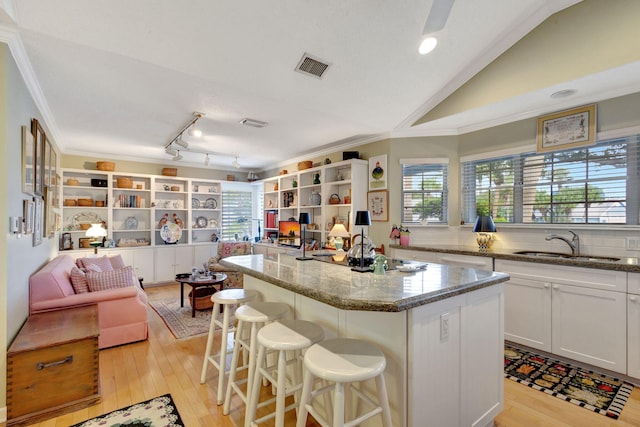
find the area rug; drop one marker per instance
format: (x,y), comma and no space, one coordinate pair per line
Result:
(591,390)
(178,319)
(157,412)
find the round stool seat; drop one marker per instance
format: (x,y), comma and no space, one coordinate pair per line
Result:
(290,335)
(345,360)
(234,296)
(256,312)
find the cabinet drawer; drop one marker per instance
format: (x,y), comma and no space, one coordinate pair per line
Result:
(415,255)
(479,262)
(47,377)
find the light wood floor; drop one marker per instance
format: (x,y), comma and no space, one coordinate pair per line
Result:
(162,364)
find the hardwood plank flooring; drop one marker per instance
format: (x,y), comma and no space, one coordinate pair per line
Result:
(136,372)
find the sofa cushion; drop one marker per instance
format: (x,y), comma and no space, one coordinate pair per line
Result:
(117,262)
(104,280)
(102,262)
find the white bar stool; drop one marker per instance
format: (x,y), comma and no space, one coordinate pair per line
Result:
(254,314)
(222,299)
(344,361)
(282,336)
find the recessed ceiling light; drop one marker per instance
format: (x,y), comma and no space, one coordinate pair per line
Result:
(427,45)
(254,123)
(563,93)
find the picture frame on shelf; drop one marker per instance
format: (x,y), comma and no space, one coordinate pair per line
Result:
(378,205)
(567,129)
(84,242)
(66,243)
(28,151)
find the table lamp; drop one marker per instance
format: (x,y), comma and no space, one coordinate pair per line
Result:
(303,220)
(484,227)
(96,231)
(362,218)
(338,232)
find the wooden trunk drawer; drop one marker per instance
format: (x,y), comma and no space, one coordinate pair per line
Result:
(53,365)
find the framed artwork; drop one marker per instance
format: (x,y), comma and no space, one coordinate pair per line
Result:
(38,157)
(27,216)
(378,205)
(38,212)
(378,172)
(567,129)
(84,242)
(66,243)
(28,151)
(49,229)
(46,163)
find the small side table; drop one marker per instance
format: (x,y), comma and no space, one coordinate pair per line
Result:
(196,283)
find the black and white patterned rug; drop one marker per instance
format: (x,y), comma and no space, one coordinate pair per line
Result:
(157,412)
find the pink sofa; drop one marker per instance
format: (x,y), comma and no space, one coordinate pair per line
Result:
(122,312)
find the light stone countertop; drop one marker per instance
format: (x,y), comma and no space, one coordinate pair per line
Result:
(629,264)
(342,288)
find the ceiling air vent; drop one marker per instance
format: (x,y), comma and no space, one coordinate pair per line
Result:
(311,66)
(253,122)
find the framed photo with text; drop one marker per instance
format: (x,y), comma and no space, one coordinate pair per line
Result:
(567,129)
(378,205)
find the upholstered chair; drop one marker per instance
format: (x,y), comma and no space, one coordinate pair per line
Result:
(226,249)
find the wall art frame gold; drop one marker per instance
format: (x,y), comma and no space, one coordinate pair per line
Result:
(567,129)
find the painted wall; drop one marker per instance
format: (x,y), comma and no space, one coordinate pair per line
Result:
(18,258)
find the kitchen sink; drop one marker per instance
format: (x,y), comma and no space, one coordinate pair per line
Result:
(543,254)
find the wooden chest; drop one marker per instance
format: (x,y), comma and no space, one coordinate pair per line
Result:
(53,365)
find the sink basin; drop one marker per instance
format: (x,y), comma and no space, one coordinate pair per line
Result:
(543,254)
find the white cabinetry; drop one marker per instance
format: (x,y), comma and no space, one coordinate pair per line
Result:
(588,311)
(469,261)
(414,255)
(328,193)
(171,260)
(633,326)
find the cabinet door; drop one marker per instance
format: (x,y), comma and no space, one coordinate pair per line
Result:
(633,336)
(165,260)
(183,260)
(482,263)
(589,325)
(143,261)
(415,255)
(528,312)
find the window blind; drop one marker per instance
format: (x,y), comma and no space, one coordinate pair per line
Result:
(236,215)
(424,191)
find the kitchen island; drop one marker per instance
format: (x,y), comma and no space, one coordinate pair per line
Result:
(440,328)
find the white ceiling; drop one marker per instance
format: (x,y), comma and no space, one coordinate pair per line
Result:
(120,78)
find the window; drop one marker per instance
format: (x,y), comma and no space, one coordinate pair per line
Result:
(424,190)
(236,215)
(590,185)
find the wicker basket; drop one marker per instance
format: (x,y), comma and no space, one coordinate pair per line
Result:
(124,182)
(85,202)
(73,182)
(308,164)
(170,171)
(70,202)
(203,298)
(106,166)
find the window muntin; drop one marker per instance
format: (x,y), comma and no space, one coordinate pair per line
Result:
(424,193)
(596,184)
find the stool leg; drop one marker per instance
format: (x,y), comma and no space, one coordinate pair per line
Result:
(223,354)
(207,353)
(252,395)
(307,384)
(383,400)
(281,388)
(338,405)
(232,369)
(252,355)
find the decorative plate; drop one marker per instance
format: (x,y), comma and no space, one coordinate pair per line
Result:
(213,223)
(85,218)
(170,232)
(131,223)
(202,222)
(195,203)
(210,203)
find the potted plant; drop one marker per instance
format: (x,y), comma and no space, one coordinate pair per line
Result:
(394,236)
(404,235)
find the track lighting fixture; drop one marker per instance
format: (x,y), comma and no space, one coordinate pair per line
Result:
(194,131)
(206,160)
(181,142)
(235,163)
(171,151)
(177,157)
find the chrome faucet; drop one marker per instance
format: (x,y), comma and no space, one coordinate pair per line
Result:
(574,243)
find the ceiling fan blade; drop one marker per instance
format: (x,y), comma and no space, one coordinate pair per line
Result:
(438,16)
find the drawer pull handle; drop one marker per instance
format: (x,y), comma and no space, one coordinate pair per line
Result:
(40,366)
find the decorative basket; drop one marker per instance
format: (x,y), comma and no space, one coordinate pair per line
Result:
(106,166)
(70,202)
(170,171)
(85,202)
(73,182)
(334,199)
(203,298)
(85,226)
(308,164)
(124,182)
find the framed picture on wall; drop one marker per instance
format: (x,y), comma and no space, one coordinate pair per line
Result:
(378,172)
(38,157)
(567,129)
(38,220)
(27,216)
(28,150)
(378,205)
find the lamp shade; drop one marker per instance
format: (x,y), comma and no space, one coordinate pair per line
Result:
(363,218)
(484,224)
(96,230)
(304,218)
(339,230)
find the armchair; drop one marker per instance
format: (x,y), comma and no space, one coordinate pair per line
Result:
(226,249)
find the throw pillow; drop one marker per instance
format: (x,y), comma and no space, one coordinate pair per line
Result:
(113,279)
(102,262)
(117,262)
(79,281)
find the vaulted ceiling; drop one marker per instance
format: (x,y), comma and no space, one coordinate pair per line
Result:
(119,79)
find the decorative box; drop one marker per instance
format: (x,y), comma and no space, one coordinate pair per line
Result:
(98,182)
